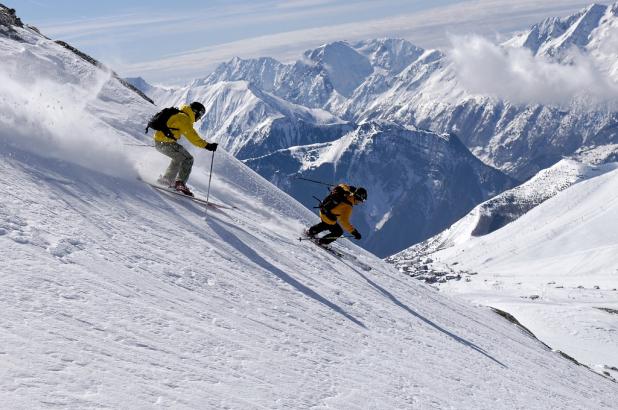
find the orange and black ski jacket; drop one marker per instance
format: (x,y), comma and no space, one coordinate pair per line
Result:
(341,211)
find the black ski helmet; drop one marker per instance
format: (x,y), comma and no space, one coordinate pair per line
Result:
(198,109)
(360,194)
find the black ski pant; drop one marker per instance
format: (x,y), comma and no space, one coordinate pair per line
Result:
(335,232)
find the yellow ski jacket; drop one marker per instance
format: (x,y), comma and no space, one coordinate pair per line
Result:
(342,211)
(182,124)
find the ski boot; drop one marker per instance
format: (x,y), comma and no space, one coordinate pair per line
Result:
(309,235)
(182,188)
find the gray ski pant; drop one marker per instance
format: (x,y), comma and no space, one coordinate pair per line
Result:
(182,161)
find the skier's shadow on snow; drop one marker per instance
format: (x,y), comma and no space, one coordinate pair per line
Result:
(424,319)
(234,241)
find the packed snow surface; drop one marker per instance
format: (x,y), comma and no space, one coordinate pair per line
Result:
(119,296)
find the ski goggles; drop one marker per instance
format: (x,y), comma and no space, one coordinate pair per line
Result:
(199,113)
(360,195)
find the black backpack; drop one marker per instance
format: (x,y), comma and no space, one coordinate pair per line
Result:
(158,121)
(336,196)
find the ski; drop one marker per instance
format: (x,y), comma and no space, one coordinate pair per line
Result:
(338,253)
(199,200)
(352,258)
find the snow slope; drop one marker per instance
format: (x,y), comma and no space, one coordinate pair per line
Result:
(121,297)
(555,269)
(118,296)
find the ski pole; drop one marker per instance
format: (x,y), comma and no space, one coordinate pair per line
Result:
(319,202)
(337,237)
(139,145)
(326,237)
(212,161)
(314,181)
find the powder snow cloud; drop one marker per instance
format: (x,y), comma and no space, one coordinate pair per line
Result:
(49,117)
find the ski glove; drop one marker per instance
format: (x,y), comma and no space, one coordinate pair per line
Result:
(356,235)
(211,147)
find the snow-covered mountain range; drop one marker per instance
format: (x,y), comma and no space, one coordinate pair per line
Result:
(393,80)
(118,296)
(517,106)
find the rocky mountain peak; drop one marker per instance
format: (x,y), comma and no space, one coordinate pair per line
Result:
(8,17)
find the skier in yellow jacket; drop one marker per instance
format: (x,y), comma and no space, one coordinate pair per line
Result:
(166,142)
(336,209)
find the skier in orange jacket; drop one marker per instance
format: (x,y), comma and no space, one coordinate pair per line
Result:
(336,209)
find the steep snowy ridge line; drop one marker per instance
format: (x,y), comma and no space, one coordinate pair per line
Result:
(97,63)
(9,22)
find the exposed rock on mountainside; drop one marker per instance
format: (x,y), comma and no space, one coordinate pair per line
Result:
(8,20)
(97,63)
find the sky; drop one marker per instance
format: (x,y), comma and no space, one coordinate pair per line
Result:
(174,42)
